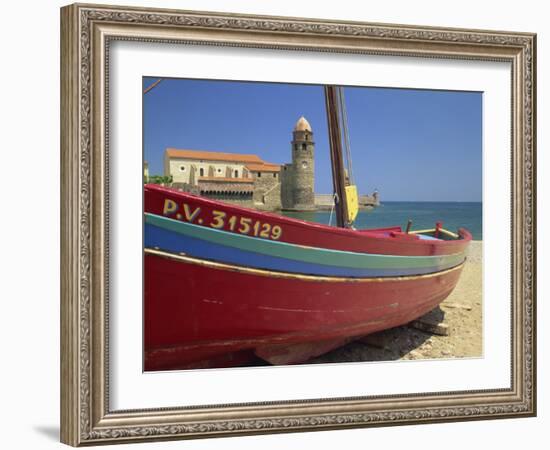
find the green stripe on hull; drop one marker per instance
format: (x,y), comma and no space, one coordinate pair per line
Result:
(301,253)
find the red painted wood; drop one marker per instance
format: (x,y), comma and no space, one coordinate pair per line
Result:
(193,312)
(199,210)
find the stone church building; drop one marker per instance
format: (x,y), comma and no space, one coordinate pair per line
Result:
(247,179)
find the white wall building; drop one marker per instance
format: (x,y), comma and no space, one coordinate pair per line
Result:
(190,166)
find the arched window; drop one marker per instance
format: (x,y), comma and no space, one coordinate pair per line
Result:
(236,174)
(201,172)
(304,146)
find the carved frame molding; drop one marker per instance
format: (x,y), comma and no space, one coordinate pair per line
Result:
(86,32)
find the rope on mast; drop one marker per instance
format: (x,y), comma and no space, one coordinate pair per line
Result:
(334,201)
(342,112)
(346,138)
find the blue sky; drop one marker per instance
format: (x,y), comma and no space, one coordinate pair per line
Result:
(411,145)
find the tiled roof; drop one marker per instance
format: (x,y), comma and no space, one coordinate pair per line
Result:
(266,167)
(213,156)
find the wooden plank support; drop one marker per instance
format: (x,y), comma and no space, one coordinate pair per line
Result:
(432,322)
(441,329)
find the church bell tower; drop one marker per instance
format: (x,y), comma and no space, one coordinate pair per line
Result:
(303,193)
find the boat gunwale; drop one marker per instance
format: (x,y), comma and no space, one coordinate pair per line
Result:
(464,234)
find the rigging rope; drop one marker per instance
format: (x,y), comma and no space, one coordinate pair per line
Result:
(334,200)
(342,112)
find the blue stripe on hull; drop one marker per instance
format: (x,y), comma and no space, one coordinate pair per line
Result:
(170,241)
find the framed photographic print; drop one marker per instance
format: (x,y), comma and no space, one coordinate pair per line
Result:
(278,224)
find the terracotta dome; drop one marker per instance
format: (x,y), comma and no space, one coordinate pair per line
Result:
(302,125)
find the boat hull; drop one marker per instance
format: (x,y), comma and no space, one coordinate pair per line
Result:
(201,313)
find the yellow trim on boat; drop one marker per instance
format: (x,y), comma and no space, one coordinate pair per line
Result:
(269,273)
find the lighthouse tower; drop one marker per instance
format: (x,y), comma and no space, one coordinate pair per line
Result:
(301,182)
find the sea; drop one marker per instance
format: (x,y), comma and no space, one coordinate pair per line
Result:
(424,215)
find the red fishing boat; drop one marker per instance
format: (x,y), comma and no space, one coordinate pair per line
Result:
(224,284)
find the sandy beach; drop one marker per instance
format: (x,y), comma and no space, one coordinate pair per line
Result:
(461,312)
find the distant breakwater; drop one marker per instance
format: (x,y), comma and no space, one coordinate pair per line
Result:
(325,202)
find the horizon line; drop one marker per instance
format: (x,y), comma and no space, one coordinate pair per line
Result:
(432,201)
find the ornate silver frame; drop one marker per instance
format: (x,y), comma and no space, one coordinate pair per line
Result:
(86,31)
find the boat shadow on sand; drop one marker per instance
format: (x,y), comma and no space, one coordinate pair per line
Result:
(388,345)
(397,343)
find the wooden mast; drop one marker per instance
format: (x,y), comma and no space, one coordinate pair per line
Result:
(335,140)
(151,86)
